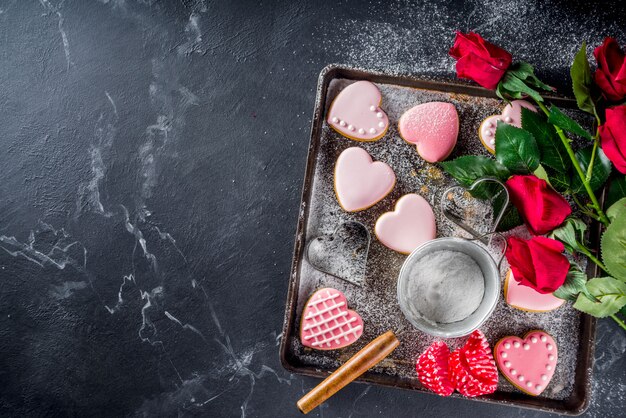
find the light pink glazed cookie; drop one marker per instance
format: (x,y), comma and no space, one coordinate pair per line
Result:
(327,323)
(356,114)
(411,224)
(528,299)
(527,363)
(432,127)
(511,114)
(359,181)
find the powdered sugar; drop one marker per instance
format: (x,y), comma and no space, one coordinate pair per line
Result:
(402,37)
(446,286)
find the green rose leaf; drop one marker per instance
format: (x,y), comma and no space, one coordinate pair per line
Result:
(574,284)
(617,210)
(566,123)
(599,174)
(525,72)
(516,149)
(571,234)
(551,149)
(617,190)
(541,173)
(561,182)
(516,88)
(610,293)
(469,168)
(582,82)
(613,246)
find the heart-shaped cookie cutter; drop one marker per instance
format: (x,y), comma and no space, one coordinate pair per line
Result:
(342,254)
(489,266)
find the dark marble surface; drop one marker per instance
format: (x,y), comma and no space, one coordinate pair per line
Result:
(151,159)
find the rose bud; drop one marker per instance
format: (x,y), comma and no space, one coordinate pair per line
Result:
(542,208)
(611,73)
(538,263)
(479,60)
(613,137)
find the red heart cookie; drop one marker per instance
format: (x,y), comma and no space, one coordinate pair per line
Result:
(327,323)
(356,114)
(527,363)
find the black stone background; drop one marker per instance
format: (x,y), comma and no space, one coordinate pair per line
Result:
(183,126)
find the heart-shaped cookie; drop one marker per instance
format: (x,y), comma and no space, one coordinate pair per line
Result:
(528,299)
(327,323)
(511,114)
(356,114)
(342,254)
(433,128)
(527,363)
(361,182)
(411,224)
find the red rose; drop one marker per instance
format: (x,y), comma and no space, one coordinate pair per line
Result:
(611,73)
(613,137)
(537,263)
(542,208)
(479,60)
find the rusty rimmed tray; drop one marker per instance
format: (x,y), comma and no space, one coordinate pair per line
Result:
(569,391)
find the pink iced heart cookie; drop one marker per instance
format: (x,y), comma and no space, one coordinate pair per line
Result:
(433,128)
(327,323)
(411,224)
(527,363)
(356,114)
(528,299)
(359,181)
(512,114)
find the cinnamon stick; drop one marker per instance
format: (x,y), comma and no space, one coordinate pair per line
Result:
(366,358)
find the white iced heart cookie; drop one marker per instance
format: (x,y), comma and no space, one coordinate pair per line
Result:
(411,224)
(361,182)
(356,114)
(511,114)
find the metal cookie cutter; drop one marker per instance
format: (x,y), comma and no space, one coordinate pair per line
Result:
(343,253)
(489,266)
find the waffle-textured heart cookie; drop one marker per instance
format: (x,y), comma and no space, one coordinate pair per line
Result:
(327,323)
(528,299)
(511,114)
(432,127)
(361,182)
(411,224)
(356,114)
(527,363)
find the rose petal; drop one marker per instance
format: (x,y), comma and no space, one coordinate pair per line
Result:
(613,137)
(550,265)
(542,208)
(518,255)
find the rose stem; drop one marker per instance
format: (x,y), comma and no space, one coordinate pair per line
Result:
(583,179)
(593,258)
(595,145)
(619,321)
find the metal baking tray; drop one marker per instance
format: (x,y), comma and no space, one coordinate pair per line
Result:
(568,392)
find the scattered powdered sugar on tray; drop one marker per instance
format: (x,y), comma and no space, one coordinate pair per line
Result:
(403,37)
(376,300)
